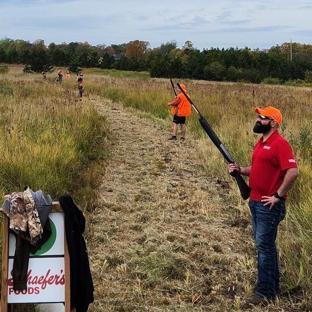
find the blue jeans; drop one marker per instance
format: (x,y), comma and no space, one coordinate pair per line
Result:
(265,223)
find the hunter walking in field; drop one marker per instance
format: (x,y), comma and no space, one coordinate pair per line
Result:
(180,109)
(80,86)
(272,173)
(60,76)
(80,76)
(80,83)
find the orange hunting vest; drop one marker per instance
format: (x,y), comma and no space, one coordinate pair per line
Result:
(184,107)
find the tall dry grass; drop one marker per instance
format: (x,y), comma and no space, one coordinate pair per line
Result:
(48,138)
(230,110)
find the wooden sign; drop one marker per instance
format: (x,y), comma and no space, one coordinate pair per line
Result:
(48,277)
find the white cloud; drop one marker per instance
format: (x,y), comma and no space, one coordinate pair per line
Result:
(225,23)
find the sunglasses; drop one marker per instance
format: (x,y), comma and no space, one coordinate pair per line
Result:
(264,117)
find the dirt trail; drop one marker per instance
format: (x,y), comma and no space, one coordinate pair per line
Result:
(161,238)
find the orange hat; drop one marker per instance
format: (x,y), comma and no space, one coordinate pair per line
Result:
(183,87)
(271,112)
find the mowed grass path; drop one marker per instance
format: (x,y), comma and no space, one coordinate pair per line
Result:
(164,235)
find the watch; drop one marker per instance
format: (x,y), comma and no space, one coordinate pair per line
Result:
(277,196)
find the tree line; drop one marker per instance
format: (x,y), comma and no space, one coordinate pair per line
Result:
(233,64)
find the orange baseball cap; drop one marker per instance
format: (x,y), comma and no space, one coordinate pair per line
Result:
(270,112)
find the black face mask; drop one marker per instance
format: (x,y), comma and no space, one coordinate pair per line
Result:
(260,128)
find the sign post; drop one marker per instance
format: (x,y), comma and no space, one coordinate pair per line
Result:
(48,276)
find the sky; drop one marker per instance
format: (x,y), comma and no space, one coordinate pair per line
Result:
(211,23)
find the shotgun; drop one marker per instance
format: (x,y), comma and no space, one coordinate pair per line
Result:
(174,90)
(242,185)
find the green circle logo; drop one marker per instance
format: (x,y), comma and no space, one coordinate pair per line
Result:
(49,243)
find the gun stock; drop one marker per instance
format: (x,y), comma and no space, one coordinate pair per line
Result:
(242,185)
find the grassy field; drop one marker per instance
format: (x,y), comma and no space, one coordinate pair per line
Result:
(230,110)
(50,140)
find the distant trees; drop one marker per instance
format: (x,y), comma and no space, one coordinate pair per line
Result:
(39,58)
(136,52)
(275,64)
(308,76)
(166,61)
(214,71)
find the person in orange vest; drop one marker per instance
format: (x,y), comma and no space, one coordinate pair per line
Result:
(180,109)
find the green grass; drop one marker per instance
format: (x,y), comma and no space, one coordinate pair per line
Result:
(159,266)
(118,73)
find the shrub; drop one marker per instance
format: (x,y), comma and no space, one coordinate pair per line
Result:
(271,80)
(214,71)
(27,69)
(233,74)
(308,76)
